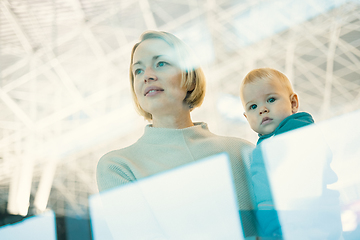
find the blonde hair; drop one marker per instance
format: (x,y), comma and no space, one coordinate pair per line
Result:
(267,74)
(192,74)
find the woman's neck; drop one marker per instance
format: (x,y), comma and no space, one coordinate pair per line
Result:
(175,122)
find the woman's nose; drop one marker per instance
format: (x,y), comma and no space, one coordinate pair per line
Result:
(149,75)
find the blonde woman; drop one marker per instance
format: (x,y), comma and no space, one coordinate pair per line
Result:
(167,85)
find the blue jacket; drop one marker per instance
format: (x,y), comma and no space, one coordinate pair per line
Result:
(292,122)
(266,214)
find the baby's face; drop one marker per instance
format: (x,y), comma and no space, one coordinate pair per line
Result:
(266,105)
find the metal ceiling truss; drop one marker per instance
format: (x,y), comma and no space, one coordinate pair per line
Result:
(64,91)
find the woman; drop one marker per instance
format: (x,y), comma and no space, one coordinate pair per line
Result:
(167,85)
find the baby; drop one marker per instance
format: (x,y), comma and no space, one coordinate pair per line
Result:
(271,108)
(270,103)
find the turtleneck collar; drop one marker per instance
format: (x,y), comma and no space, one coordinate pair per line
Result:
(156,135)
(196,124)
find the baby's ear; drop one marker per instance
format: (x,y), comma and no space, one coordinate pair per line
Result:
(294,102)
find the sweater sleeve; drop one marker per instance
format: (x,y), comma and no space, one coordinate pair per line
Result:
(112,171)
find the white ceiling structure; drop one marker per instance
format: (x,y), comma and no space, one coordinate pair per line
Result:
(64,90)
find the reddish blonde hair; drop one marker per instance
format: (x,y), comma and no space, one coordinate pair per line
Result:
(267,74)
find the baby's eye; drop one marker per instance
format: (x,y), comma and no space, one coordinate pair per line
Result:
(271,100)
(137,71)
(254,106)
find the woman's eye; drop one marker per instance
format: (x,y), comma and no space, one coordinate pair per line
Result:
(253,106)
(271,100)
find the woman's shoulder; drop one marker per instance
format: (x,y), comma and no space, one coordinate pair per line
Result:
(225,139)
(117,154)
(233,141)
(114,169)
(236,147)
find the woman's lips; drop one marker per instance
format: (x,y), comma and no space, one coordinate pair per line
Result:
(152,90)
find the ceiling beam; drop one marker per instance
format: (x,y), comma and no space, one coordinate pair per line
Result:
(333,41)
(14,107)
(147,15)
(19,31)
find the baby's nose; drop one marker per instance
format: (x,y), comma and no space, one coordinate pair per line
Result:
(264,110)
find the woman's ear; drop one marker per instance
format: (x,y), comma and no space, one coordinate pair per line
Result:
(192,87)
(294,102)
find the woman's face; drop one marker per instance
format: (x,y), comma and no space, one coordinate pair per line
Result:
(157,78)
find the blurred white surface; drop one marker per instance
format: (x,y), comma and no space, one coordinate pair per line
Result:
(196,201)
(39,227)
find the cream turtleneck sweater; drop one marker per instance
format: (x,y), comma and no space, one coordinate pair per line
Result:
(161,149)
